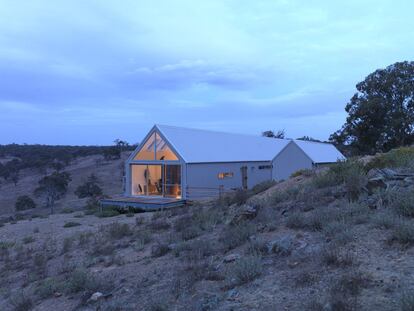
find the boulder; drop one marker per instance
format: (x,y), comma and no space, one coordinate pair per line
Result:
(283,245)
(95,297)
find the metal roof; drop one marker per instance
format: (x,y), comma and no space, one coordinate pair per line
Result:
(200,146)
(320,152)
(204,146)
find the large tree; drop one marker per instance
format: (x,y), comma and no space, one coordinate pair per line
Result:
(53,187)
(381,112)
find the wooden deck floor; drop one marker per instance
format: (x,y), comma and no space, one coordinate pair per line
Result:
(143,203)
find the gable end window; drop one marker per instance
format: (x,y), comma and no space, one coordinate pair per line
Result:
(225,175)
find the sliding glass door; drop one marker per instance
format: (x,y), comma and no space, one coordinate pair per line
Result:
(156,180)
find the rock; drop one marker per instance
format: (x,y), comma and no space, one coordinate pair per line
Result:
(95,297)
(245,212)
(375,183)
(232,294)
(231,258)
(283,245)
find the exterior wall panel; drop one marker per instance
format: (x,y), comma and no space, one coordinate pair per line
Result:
(203,177)
(290,160)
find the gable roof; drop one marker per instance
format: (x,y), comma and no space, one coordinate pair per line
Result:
(320,152)
(200,146)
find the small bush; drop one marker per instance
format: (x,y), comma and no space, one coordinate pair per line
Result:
(403,203)
(190,233)
(80,280)
(296,220)
(339,232)
(21,302)
(278,197)
(263,186)
(333,256)
(71,224)
(240,197)
(119,231)
(24,202)
(67,244)
(400,157)
(159,249)
(244,270)
(67,210)
(47,287)
(108,212)
(384,220)
(303,172)
(407,301)
(404,232)
(159,225)
(233,236)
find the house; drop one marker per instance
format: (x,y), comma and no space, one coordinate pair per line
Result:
(188,164)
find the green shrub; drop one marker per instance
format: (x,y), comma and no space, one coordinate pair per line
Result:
(21,302)
(303,172)
(244,270)
(80,280)
(67,210)
(70,224)
(404,232)
(119,231)
(263,186)
(233,236)
(239,197)
(400,157)
(407,301)
(159,249)
(403,202)
(89,189)
(24,202)
(108,212)
(47,287)
(296,220)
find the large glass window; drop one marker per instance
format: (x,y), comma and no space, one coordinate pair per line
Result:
(172,181)
(156,148)
(147,152)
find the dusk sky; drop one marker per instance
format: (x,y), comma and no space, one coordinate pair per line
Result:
(87,72)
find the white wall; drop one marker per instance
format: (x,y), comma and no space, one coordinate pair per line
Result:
(290,160)
(205,175)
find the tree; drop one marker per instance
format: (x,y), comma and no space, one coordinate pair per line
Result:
(279,134)
(53,187)
(381,112)
(308,138)
(112,153)
(90,188)
(121,144)
(24,202)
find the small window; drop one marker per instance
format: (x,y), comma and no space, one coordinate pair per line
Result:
(225,175)
(265,167)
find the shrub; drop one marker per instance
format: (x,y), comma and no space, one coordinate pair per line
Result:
(70,224)
(190,233)
(89,189)
(80,280)
(67,244)
(159,249)
(24,202)
(384,220)
(47,287)
(159,224)
(67,210)
(263,186)
(108,212)
(400,157)
(332,256)
(239,197)
(403,202)
(339,232)
(21,302)
(244,270)
(119,231)
(407,301)
(303,172)
(278,197)
(233,236)
(296,220)
(404,232)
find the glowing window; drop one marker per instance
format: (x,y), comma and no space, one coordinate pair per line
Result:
(225,175)
(156,148)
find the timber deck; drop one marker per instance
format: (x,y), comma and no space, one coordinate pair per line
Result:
(145,204)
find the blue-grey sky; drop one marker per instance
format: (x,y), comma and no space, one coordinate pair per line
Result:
(89,71)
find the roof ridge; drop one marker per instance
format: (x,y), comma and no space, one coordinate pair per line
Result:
(219,132)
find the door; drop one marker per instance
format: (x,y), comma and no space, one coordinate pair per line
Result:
(244,177)
(172,178)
